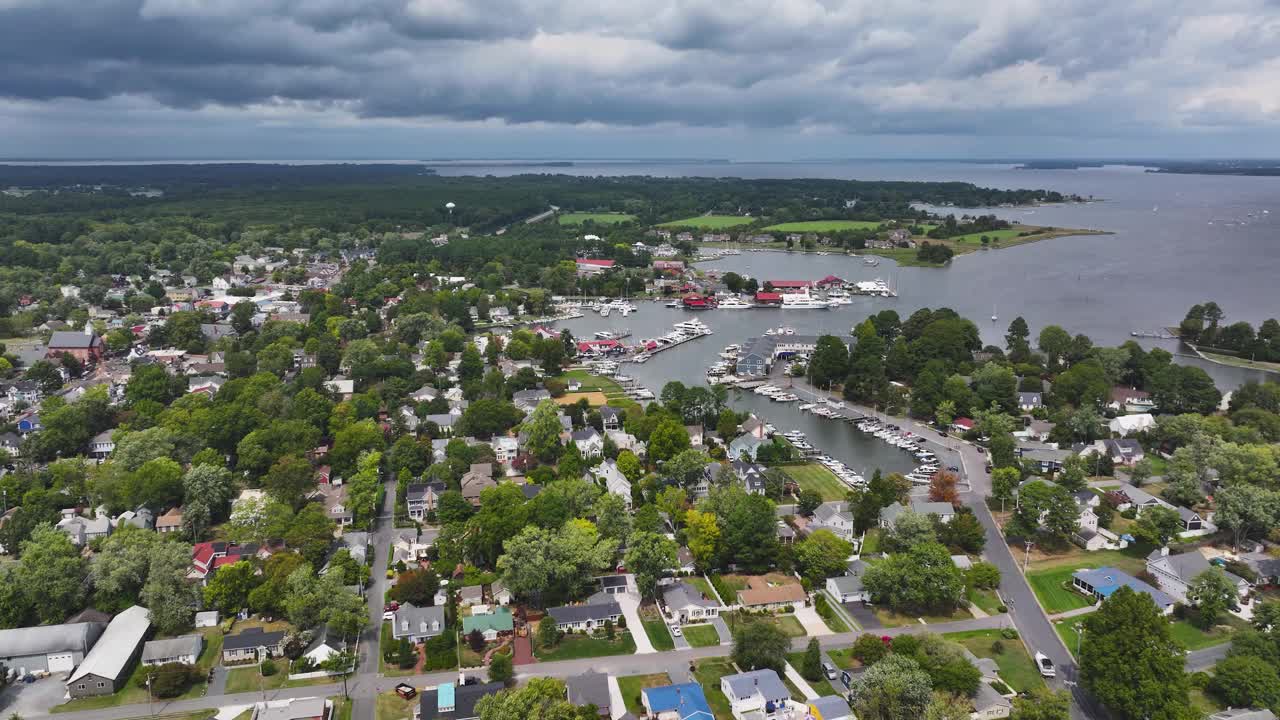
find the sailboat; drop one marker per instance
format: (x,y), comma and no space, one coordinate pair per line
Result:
(994,317)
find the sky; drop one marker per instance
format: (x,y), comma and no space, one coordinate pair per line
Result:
(734,79)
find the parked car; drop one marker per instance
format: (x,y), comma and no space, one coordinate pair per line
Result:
(676,631)
(406,691)
(829,670)
(1045,665)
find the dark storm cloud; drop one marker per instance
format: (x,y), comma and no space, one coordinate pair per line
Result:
(862,66)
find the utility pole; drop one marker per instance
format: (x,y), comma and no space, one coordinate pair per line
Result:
(1079,633)
(150,708)
(1026,559)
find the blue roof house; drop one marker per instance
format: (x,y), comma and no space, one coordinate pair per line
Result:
(1101,583)
(676,702)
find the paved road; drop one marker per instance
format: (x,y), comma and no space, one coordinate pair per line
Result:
(366,685)
(363,699)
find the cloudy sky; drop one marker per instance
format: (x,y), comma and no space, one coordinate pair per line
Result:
(741,79)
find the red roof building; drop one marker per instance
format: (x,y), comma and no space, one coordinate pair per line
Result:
(592,266)
(789,286)
(963,423)
(769,298)
(830,280)
(697,302)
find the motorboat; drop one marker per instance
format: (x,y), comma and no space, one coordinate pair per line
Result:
(786,397)
(871,261)
(807,407)
(780,330)
(693,327)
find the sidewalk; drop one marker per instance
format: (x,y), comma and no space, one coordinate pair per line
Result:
(800,682)
(1073,613)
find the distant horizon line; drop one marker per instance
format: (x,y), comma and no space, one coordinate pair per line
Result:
(618,159)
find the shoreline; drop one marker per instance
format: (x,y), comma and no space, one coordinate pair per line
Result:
(906,257)
(1232,360)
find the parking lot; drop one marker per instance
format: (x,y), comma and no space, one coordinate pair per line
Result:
(28,699)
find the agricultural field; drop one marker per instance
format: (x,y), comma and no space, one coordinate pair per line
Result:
(597,218)
(818,226)
(710,222)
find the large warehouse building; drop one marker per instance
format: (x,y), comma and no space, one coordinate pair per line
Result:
(56,648)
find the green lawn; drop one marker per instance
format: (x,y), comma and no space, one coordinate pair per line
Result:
(1016,666)
(816,477)
(701,635)
(788,624)
(988,600)
(1193,638)
(727,587)
(708,673)
(703,586)
(1052,587)
(843,658)
(1067,631)
(710,222)
(597,218)
(390,706)
(575,647)
(817,226)
(871,542)
(821,685)
(631,685)
(891,618)
(833,618)
(976,238)
(341,708)
(658,635)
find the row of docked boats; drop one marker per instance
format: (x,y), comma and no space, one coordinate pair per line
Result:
(682,332)
(908,441)
(838,468)
(776,394)
(622,307)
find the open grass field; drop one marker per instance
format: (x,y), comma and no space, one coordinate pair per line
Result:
(1002,236)
(816,477)
(701,635)
(594,398)
(710,222)
(708,673)
(631,685)
(576,647)
(597,218)
(817,226)
(1016,666)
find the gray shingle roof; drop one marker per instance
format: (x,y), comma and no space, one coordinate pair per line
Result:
(44,639)
(109,656)
(580,613)
(766,682)
(173,647)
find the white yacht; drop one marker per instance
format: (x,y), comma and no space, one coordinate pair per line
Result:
(804,301)
(781,330)
(734,303)
(693,327)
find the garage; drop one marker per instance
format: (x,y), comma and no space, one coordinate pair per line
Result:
(61,662)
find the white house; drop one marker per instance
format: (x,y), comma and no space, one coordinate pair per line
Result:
(758,695)
(417,624)
(614,481)
(686,604)
(836,517)
(848,587)
(1175,573)
(585,617)
(505,449)
(185,650)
